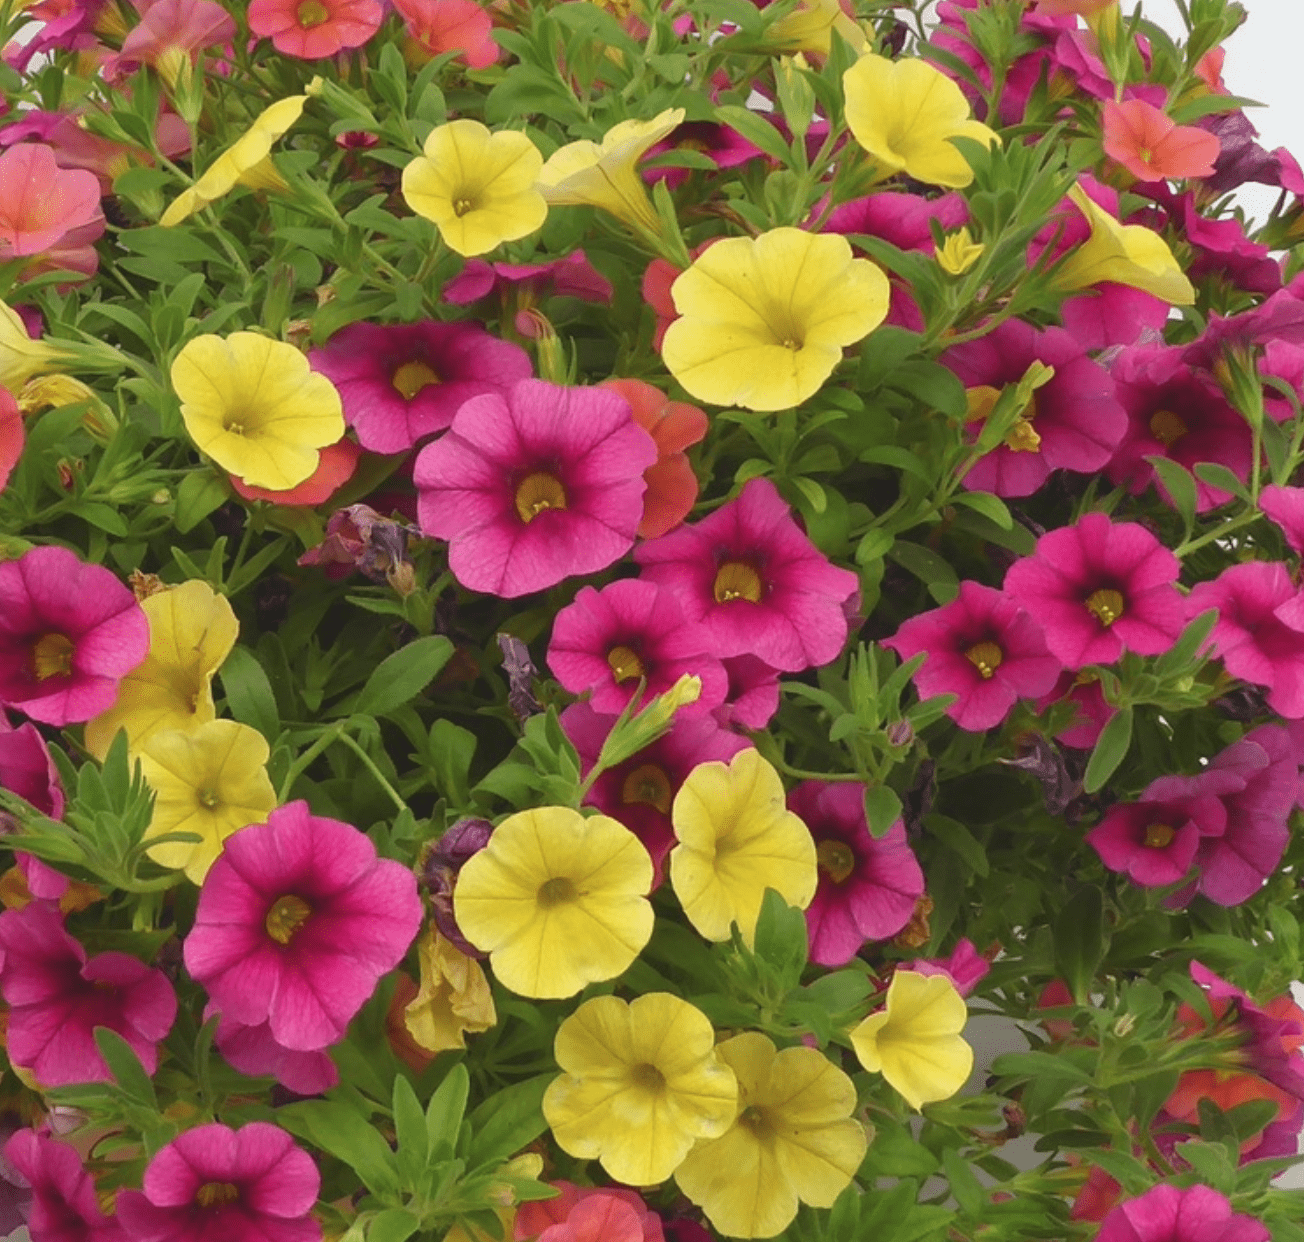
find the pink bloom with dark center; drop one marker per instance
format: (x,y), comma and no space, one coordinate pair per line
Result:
(400,383)
(297,921)
(534,487)
(438,26)
(41,203)
(965,967)
(248,1185)
(1285,506)
(753,694)
(1222,248)
(588,1214)
(253,1050)
(868,885)
(57,997)
(571,276)
(1100,587)
(1167,1214)
(983,648)
(724,147)
(69,632)
(758,584)
(64,1203)
(313,29)
(27,769)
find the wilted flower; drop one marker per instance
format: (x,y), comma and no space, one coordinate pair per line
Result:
(454,997)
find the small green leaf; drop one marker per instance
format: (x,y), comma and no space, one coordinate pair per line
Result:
(446,1108)
(249,694)
(399,678)
(1111,749)
(957,838)
(780,939)
(410,1130)
(882,808)
(392,1225)
(199,494)
(125,1067)
(1079,940)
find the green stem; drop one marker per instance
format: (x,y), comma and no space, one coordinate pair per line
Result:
(371,767)
(304,761)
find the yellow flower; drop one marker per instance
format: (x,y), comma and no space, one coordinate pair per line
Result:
(605,174)
(810,26)
(958,253)
(763,321)
(454,996)
(736,839)
(794,1140)
(556,900)
(914,1042)
(191,631)
(1126,254)
(641,1084)
(254,406)
(477,187)
(905,113)
(245,162)
(21,357)
(212,781)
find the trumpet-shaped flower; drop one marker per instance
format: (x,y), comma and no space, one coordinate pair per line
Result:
(21,357)
(253,1050)
(64,1207)
(1152,147)
(810,26)
(1169,1214)
(435,27)
(905,113)
(40,203)
(736,839)
(13,437)
(556,900)
(254,406)
(794,1140)
(588,1214)
(313,29)
(454,996)
(763,321)
(915,1041)
(477,187)
(640,1084)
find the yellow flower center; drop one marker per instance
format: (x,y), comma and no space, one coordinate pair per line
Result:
(287,915)
(647,784)
(985,657)
(558,891)
(1145,155)
(648,1077)
(412,377)
(1158,836)
(836,859)
(1107,604)
(209,799)
(463,205)
(229,424)
(625,664)
(737,580)
(312,13)
(1166,427)
(52,656)
(537,492)
(756,1121)
(211,1193)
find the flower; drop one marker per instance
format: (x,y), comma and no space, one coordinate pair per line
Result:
(13,437)
(524,284)
(477,187)
(357,537)
(958,253)
(69,632)
(211,781)
(64,1203)
(753,696)
(588,1214)
(557,900)
(439,870)
(41,203)
(534,487)
(170,35)
(1168,1214)
(905,112)
(297,921)
(253,405)
(27,769)
(809,28)
(763,321)
(400,383)
(313,29)
(335,466)
(965,968)
(438,26)
(254,1051)
(454,997)
(640,1084)
(1151,146)
(1285,507)
(736,839)
(248,1185)
(794,1140)
(21,357)
(191,632)
(914,1041)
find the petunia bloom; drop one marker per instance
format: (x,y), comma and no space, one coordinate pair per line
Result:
(335,466)
(1169,1214)
(435,27)
(22,356)
(1151,146)
(314,29)
(588,1214)
(65,1207)
(27,769)
(41,203)
(253,1050)
(454,998)
(171,34)
(13,436)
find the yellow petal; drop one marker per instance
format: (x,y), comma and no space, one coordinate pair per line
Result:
(454,996)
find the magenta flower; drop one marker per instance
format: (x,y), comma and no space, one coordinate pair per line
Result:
(248,1185)
(725,147)
(755,581)
(965,967)
(753,694)
(253,1050)
(571,276)
(41,203)
(868,886)
(57,997)
(902,219)
(297,921)
(27,769)
(1099,587)
(64,1203)
(534,487)
(981,647)
(1285,506)
(1091,712)
(403,382)
(69,632)
(1167,1214)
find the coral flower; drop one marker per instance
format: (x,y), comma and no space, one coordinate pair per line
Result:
(435,27)
(171,34)
(335,466)
(65,1207)
(794,1140)
(40,202)
(736,839)
(1168,1214)
(246,1185)
(588,1214)
(557,900)
(915,1041)
(13,437)
(313,29)
(640,1084)
(763,321)
(254,406)
(401,383)
(477,187)
(1148,143)
(69,633)
(297,921)
(453,999)
(534,487)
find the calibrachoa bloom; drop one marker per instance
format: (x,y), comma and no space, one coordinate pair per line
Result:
(1151,146)
(253,1050)
(588,1214)
(435,27)
(13,437)
(313,29)
(21,355)
(453,999)
(335,466)
(40,203)
(640,1084)
(297,921)
(64,1203)
(1168,1214)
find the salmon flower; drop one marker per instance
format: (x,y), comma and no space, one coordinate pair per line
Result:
(313,29)
(1152,147)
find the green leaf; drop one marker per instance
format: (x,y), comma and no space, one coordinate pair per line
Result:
(882,808)
(399,678)
(1179,484)
(1079,939)
(758,131)
(348,1136)
(392,1225)
(957,838)
(446,1108)
(410,1130)
(125,1067)
(1110,750)
(507,1121)
(249,696)
(1215,474)
(200,493)
(991,507)
(780,940)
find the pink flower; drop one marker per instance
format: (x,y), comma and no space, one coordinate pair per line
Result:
(12,436)
(27,769)
(403,382)
(1167,1214)
(725,147)
(1285,506)
(1092,713)
(297,921)
(868,885)
(758,584)
(175,29)
(981,647)
(253,1050)
(313,29)
(1099,587)
(571,276)
(904,220)
(41,203)
(588,1214)
(753,694)
(248,1185)
(69,632)
(438,26)
(1151,146)
(64,1204)
(966,967)
(534,487)
(335,466)
(57,997)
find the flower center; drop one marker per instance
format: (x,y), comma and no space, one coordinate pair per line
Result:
(412,377)
(625,664)
(756,1121)
(537,492)
(52,656)
(836,858)
(986,657)
(647,784)
(1158,836)
(287,915)
(1022,437)
(211,1194)
(463,205)
(229,424)
(558,891)
(209,799)
(737,580)
(1107,604)
(648,1077)
(1166,427)
(312,13)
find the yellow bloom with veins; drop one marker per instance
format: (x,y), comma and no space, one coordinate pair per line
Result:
(254,406)
(211,781)
(454,996)
(810,26)
(905,113)
(736,839)
(557,900)
(958,253)
(915,1041)
(191,631)
(763,321)
(794,1140)
(605,174)
(477,187)
(641,1083)
(21,358)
